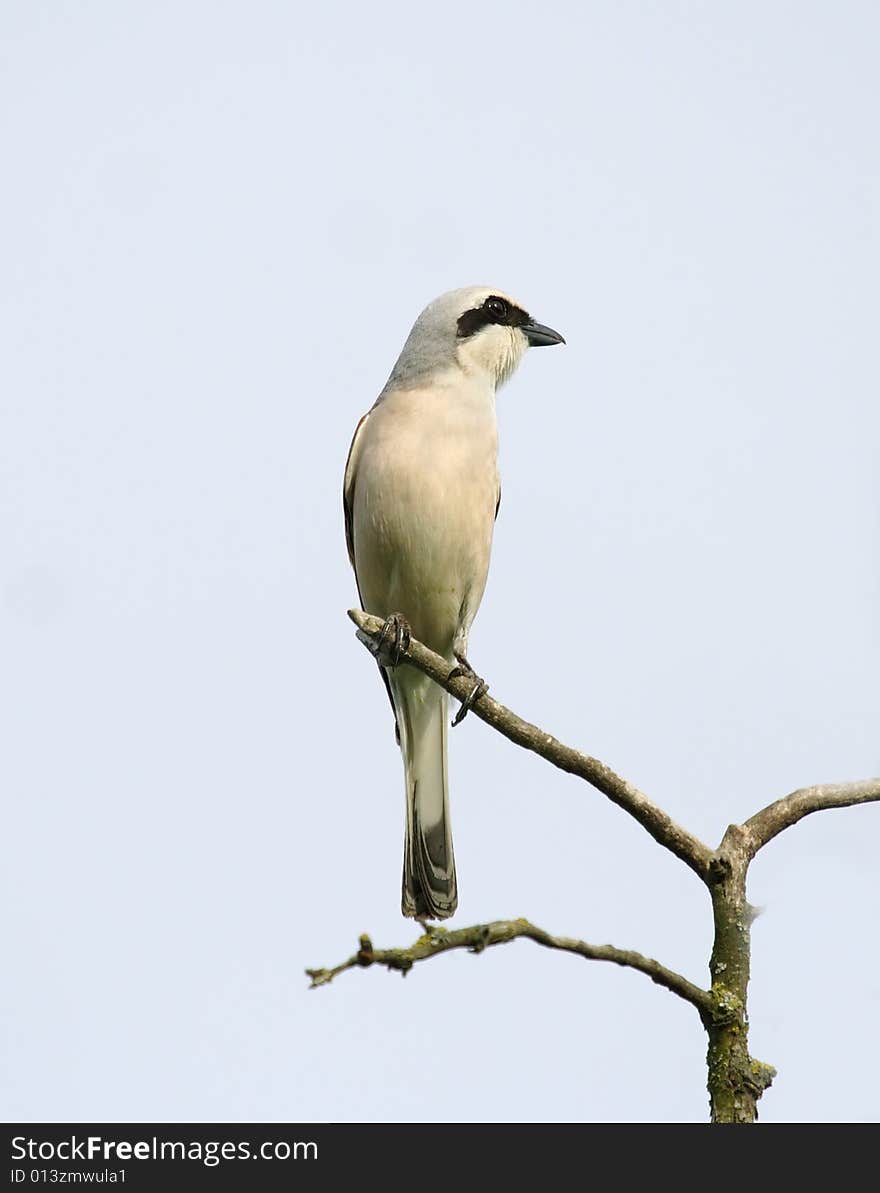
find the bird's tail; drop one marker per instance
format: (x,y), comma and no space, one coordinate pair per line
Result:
(429,887)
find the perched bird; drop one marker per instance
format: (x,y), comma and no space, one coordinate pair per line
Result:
(421,495)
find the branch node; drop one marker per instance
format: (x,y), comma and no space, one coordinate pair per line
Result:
(481,940)
(760,1076)
(727,1007)
(718,870)
(753,911)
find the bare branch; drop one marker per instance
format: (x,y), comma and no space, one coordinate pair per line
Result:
(484,936)
(736,1079)
(770,821)
(662,827)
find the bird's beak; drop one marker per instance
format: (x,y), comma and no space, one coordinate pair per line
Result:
(538,335)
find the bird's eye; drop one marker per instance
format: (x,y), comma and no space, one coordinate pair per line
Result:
(498,307)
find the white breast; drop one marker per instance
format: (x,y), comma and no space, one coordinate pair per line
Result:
(424,498)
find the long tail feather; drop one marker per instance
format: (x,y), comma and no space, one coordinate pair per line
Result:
(429,885)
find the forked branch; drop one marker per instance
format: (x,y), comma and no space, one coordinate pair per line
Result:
(736,1079)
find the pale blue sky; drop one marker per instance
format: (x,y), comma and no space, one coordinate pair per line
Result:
(217,224)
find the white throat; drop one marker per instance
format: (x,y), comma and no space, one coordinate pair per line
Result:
(495,351)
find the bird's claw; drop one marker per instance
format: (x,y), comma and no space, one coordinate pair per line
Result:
(392,641)
(479,689)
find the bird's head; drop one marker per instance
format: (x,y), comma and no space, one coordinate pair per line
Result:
(479,329)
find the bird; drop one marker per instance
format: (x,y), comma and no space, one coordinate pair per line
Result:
(420,496)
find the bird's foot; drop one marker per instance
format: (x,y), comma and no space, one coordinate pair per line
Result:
(392,641)
(479,689)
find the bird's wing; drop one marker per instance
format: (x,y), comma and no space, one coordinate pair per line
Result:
(348,490)
(347,507)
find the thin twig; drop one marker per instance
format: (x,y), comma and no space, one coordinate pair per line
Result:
(662,827)
(485,936)
(770,821)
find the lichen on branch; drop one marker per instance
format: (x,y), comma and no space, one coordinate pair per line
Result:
(479,937)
